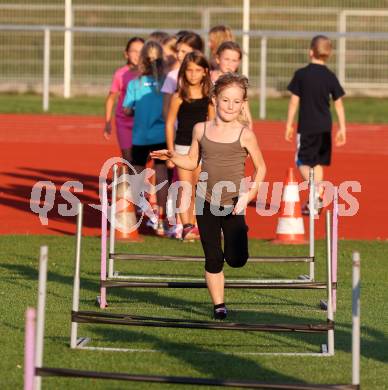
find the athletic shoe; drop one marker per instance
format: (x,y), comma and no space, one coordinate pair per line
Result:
(151,224)
(220,312)
(190,233)
(178,231)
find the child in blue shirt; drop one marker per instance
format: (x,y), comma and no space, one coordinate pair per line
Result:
(144,99)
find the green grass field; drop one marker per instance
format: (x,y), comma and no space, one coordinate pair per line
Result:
(198,353)
(358,110)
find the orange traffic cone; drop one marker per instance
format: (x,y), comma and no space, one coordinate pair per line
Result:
(126,221)
(290,229)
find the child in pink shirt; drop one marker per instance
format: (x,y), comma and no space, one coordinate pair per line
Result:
(121,78)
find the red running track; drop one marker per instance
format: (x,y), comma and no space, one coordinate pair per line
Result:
(59,148)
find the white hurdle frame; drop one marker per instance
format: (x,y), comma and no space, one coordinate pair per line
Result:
(43,257)
(76,283)
(112,229)
(335,247)
(80,342)
(330,314)
(312,223)
(356,323)
(334,253)
(34,339)
(112,274)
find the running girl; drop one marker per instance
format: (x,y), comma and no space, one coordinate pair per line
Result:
(223,144)
(228,59)
(144,94)
(118,88)
(190,105)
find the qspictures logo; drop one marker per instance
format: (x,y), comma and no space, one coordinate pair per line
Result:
(137,186)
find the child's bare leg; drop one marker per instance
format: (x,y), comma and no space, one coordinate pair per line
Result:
(194,183)
(126,153)
(185,198)
(215,285)
(161,195)
(318,175)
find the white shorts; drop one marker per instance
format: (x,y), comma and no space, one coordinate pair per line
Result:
(182,149)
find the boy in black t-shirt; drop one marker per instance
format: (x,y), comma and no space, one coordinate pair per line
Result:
(311,88)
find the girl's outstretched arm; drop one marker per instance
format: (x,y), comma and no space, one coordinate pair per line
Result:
(189,161)
(249,141)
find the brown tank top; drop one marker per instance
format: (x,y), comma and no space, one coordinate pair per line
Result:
(224,163)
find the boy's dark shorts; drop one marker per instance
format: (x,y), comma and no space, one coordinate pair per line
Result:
(313,149)
(140,153)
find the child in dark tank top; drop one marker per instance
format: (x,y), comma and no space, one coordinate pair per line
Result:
(190,104)
(222,144)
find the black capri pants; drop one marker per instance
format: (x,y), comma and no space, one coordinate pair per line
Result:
(235,232)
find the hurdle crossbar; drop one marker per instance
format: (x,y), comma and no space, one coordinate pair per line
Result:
(32,371)
(71,373)
(132,320)
(155,257)
(248,285)
(113,256)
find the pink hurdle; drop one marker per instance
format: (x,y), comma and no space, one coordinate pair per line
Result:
(334,256)
(104,227)
(29,349)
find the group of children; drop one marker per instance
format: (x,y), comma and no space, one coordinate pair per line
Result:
(162,111)
(191,115)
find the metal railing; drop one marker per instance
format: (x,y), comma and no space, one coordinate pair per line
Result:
(259,70)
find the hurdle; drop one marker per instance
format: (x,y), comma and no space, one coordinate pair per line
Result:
(113,256)
(144,321)
(34,341)
(160,282)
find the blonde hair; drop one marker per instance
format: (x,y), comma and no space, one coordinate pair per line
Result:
(321,47)
(220,34)
(229,80)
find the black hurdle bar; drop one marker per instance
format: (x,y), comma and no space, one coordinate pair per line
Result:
(73,373)
(249,285)
(158,322)
(155,257)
